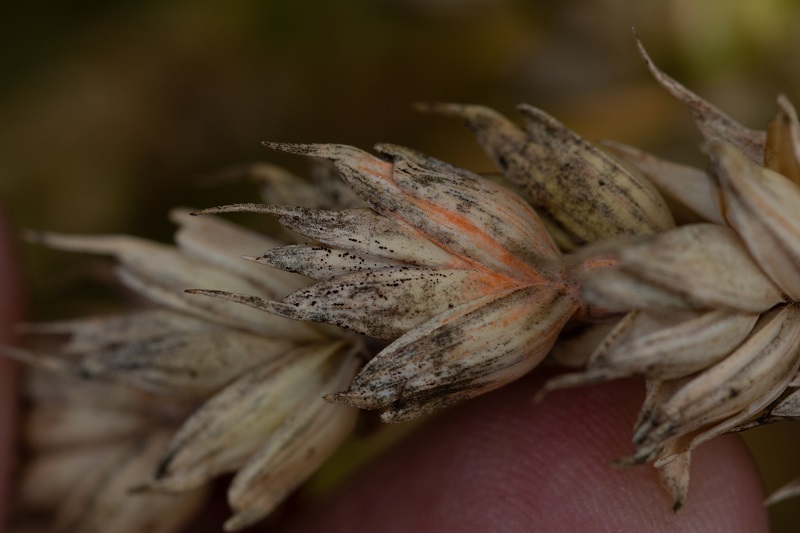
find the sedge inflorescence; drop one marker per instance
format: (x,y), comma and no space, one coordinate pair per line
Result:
(468,283)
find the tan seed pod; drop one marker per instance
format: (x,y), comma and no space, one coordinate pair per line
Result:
(618,290)
(461,353)
(681,348)
(678,260)
(688,185)
(761,205)
(291,454)
(661,347)
(577,189)
(782,152)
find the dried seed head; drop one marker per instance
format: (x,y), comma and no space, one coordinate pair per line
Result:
(761,205)
(468,283)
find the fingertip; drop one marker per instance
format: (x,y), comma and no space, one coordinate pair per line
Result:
(500,463)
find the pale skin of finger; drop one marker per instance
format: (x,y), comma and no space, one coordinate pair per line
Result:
(500,463)
(10,313)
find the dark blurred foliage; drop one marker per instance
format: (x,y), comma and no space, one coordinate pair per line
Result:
(109,111)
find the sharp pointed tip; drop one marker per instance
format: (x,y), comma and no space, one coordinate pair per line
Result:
(234,208)
(422,107)
(285,147)
(664,461)
(538,398)
(343,397)
(646,56)
(625,462)
(474,115)
(638,40)
(162,469)
(34,236)
(40,360)
(439,108)
(232,524)
(792,490)
(617,148)
(308,149)
(354,398)
(777,497)
(62,241)
(244,518)
(533,115)
(206,292)
(206,211)
(334,397)
(565,381)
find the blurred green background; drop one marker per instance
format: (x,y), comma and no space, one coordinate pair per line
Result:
(109,111)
